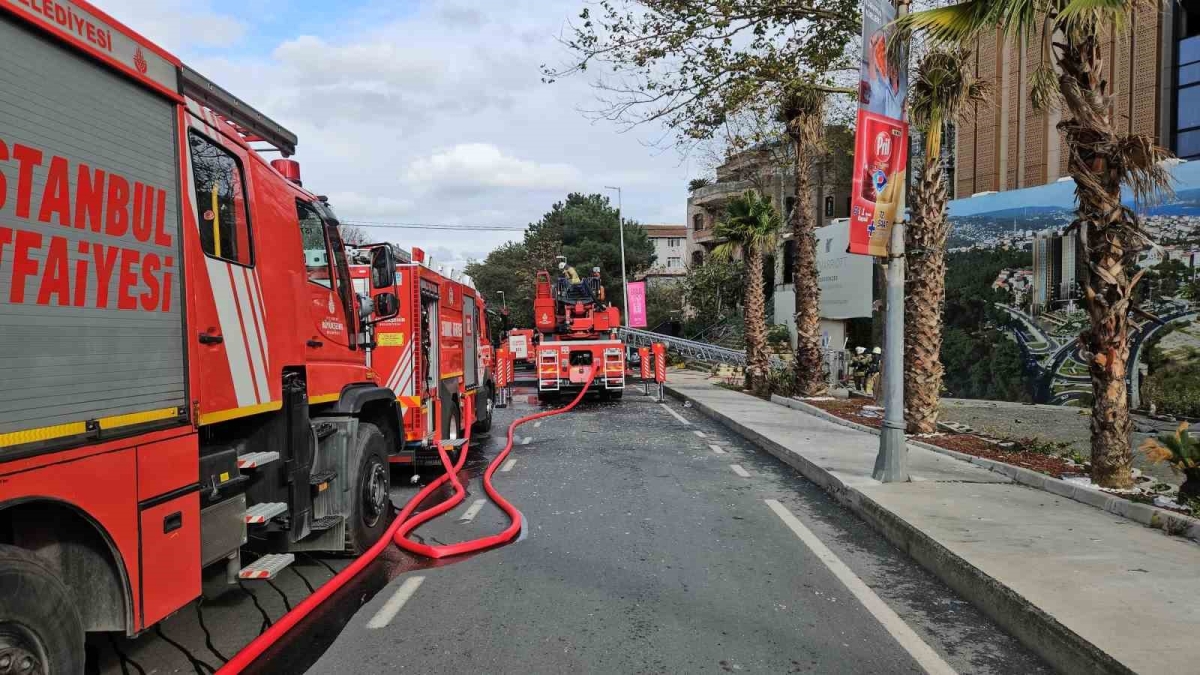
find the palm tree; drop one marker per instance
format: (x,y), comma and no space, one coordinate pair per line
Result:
(751,226)
(802,111)
(1101,161)
(943,90)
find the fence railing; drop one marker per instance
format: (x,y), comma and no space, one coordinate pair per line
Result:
(835,364)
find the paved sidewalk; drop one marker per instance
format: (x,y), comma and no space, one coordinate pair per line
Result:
(1087,590)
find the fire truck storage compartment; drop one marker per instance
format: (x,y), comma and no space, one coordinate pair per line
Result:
(470,344)
(90,165)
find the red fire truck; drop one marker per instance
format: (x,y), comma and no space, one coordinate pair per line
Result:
(184,392)
(578,332)
(436,355)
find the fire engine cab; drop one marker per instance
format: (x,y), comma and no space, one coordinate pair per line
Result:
(435,355)
(184,389)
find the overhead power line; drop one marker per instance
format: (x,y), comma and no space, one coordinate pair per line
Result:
(436,226)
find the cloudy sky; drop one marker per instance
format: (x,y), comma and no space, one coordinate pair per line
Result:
(422,111)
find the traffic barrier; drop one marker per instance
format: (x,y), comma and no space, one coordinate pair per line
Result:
(660,368)
(644,358)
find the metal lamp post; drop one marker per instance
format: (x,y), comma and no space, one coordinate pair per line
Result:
(891,464)
(624,281)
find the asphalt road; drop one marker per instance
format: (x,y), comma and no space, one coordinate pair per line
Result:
(645,550)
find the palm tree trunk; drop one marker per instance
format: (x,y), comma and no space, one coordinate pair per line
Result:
(926,251)
(756,323)
(1108,234)
(805,132)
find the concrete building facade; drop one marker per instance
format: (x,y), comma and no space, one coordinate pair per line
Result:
(670,251)
(1153,72)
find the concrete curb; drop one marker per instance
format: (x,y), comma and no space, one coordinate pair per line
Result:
(1065,650)
(1150,516)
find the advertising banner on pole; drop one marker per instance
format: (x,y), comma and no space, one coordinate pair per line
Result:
(637,304)
(881,137)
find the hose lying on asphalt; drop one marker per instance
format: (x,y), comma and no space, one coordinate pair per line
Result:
(399,530)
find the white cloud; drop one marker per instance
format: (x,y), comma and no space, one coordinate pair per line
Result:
(178,25)
(431,112)
(483,165)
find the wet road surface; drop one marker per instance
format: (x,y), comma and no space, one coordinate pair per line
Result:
(657,542)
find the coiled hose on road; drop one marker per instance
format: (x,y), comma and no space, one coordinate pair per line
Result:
(399,530)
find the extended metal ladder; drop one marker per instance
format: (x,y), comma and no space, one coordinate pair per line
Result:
(689,349)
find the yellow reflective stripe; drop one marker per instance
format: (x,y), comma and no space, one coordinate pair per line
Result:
(138,418)
(450,375)
(77,428)
(42,434)
(234,413)
(323,398)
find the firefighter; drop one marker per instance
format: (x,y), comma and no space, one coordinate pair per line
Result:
(858,367)
(874,367)
(569,273)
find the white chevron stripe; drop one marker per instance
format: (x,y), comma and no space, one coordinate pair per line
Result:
(401,366)
(260,311)
(253,340)
(231,329)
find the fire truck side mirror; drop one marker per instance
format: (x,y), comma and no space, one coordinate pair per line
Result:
(387,305)
(383,268)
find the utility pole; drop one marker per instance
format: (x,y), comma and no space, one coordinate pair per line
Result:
(891,464)
(503,299)
(624,280)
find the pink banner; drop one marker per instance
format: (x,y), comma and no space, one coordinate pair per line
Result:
(637,304)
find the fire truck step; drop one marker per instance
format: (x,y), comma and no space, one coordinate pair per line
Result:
(454,444)
(326,523)
(253,460)
(261,513)
(267,566)
(321,477)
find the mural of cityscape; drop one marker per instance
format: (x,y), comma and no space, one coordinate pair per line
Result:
(1034,296)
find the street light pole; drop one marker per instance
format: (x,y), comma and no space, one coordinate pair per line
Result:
(891,464)
(503,299)
(624,280)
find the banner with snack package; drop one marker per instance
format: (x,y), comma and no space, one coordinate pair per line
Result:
(881,137)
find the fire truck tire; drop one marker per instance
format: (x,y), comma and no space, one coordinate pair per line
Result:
(547,396)
(484,424)
(40,627)
(614,395)
(371,505)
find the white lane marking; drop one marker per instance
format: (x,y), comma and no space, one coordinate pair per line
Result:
(395,603)
(674,414)
(737,468)
(910,641)
(472,511)
(526,440)
(508,466)
(537,424)
(717,449)
(699,433)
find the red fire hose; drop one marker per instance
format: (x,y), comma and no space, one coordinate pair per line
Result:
(398,532)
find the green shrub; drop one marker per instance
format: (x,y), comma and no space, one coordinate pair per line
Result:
(778,335)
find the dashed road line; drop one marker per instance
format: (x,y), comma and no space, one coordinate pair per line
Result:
(526,440)
(737,468)
(537,424)
(395,603)
(910,641)
(699,433)
(717,449)
(508,466)
(674,414)
(472,511)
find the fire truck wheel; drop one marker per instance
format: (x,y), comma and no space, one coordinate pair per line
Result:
(371,506)
(40,628)
(547,397)
(484,424)
(615,394)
